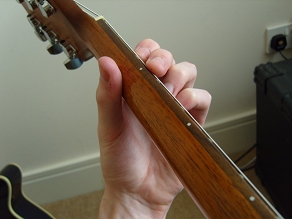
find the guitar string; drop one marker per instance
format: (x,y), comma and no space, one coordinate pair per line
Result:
(89,11)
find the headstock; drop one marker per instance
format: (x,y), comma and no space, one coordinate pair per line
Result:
(50,24)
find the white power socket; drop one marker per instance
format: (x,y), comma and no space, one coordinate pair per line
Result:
(285,29)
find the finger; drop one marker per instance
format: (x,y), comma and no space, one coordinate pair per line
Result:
(159,62)
(109,99)
(145,48)
(180,76)
(197,102)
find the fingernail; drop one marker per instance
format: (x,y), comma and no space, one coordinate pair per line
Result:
(157,60)
(169,86)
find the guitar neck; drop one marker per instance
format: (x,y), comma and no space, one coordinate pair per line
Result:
(216,185)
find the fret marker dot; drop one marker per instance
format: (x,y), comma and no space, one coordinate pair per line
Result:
(252,198)
(189,124)
(141,69)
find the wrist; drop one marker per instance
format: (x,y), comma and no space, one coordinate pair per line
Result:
(118,205)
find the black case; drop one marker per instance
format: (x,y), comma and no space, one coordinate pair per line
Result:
(274,132)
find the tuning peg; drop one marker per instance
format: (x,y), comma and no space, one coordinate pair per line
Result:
(54,47)
(45,7)
(19,1)
(31,4)
(73,62)
(37,26)
(35,23)
(40,36)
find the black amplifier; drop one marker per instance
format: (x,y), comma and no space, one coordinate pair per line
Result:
(274,132)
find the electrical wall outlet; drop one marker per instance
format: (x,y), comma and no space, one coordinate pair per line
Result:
(285,29)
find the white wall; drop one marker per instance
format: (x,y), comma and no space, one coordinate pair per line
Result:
(48,114)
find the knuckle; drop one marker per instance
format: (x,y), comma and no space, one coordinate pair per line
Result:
(186,70)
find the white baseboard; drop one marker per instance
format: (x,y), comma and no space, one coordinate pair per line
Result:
(84,175)
(234,134)
(66,180)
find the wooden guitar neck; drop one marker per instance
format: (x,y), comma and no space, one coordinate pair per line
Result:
(216,185)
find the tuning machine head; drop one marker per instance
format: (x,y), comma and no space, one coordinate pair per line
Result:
(37,26)
(45,7)
(73,62)
(54,47)
(31,4)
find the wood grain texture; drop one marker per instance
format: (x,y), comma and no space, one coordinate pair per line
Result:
(219,189)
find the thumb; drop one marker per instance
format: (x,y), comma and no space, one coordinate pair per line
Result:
(109,100)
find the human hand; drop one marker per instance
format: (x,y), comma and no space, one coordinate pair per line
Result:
(139,183)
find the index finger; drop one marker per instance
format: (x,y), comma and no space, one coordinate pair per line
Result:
(145,48)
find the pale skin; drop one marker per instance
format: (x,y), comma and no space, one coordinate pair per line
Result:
(139,183)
